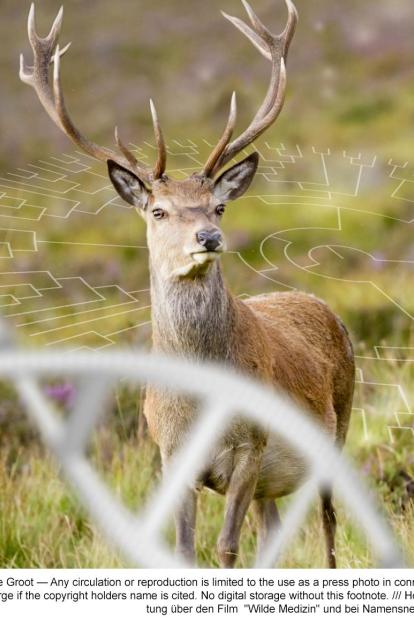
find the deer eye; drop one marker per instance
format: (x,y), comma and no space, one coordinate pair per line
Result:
(159,214)
(220,209)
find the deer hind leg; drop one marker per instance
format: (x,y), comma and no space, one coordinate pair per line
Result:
(329,525)
(328,511)
(267,521)
(185,523)
(239,496)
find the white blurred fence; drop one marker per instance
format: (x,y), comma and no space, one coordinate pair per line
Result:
(222,395)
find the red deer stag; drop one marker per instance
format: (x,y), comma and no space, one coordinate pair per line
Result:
(291,340)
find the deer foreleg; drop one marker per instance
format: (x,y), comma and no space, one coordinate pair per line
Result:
(267,520)
(185,523)
(329,525)
(239,496)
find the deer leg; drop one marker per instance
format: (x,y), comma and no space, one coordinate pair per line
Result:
(185,523)
(239,496)
(267,520)
(329,525)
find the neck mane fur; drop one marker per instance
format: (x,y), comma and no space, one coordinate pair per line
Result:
(193,317)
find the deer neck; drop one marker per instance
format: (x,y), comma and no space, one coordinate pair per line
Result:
(193,317)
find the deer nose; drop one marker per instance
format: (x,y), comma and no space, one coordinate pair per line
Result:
(210,239)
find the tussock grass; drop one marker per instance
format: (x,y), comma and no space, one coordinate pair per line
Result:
(43,526)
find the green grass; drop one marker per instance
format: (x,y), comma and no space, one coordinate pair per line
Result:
(43,526)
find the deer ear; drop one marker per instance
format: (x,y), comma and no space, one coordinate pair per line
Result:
(130,187)
(236,181)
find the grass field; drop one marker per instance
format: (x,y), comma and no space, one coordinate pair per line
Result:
(42,525)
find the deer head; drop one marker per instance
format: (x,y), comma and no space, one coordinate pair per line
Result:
(182,216)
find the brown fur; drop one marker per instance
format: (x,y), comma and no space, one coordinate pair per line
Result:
(289,340)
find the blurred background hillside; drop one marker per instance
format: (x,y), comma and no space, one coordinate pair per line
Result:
(351,72)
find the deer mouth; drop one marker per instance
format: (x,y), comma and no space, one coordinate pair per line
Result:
(205,256)
(199,264)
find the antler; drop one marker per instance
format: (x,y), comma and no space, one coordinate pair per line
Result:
(46,52)
(275,48)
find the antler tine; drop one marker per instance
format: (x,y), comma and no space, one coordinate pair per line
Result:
(224,140)
(46,51)
(274,48)
(127,153)
(161,163)
(143,172)
(258,26)
(261,35)
(31,27)
(249,33)
(290,29)
(54,33)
